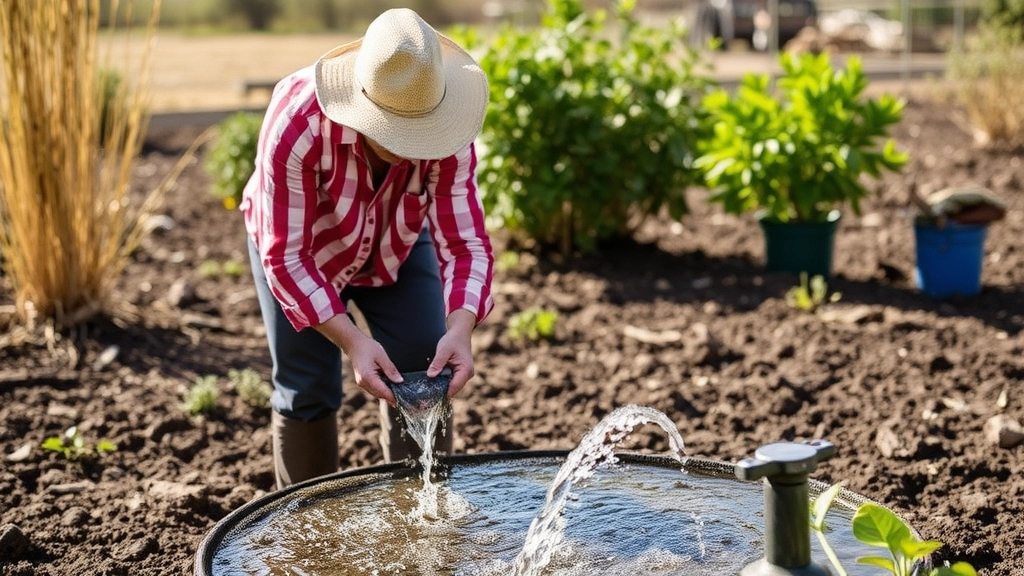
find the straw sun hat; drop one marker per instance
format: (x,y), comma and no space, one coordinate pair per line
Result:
(404,85)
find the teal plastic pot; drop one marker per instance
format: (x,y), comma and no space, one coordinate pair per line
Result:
(949,261)
(800,246)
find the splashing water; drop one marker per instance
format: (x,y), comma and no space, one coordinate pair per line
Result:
(423,403)
(596,449)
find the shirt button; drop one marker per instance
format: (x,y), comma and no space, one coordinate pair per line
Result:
(366,240)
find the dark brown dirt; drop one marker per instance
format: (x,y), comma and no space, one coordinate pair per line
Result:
(903,385)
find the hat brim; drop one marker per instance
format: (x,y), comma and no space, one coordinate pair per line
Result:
(455,122)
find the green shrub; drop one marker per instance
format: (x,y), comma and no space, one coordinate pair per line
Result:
(232,156)
(1006,16)
(586,135)
(799,148)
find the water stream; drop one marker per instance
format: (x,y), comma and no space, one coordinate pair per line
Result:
(596,448)
(424,404)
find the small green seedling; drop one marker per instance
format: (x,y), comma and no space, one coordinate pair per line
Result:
(208,269)
(875,525)
(213,268)
(202,396)
(533,324)
(73,446)
(233,267)
(809,296)
(819,509)
(251,387)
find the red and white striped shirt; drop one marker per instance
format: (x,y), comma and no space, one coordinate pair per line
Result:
(320,225)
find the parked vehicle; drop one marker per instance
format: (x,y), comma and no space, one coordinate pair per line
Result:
(729,20)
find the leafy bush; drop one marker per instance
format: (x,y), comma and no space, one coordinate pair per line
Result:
(585,136)
(798,150)
(232,156)
(1006,16)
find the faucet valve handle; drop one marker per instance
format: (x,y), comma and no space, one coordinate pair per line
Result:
(785,459)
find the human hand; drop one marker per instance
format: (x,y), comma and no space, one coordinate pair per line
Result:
(371,365)
(455,350)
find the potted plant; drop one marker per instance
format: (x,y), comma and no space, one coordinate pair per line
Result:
(796,151)
(949,239)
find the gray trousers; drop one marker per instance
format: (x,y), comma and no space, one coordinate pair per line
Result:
(406,318)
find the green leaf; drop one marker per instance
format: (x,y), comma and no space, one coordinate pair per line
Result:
(53,443)
(822,504)
(104,446)
(876,525)
(917,549)
(957,569)
(879,561)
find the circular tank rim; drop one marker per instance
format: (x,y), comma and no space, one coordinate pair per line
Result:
(203,565)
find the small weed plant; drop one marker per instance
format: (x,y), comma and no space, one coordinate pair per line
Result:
(811,294)
(533,324)
(507,261)
(875,525)
(73,446)
(214,268)
(251,387)
(202,396)
(232,156)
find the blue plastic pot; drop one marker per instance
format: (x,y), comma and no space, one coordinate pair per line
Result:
(949,261)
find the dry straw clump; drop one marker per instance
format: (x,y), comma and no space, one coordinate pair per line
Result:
(989,76)
(68,142)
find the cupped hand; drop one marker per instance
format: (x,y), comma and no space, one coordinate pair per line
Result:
(455,350)
(371,364)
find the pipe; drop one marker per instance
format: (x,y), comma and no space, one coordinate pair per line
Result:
(784,468)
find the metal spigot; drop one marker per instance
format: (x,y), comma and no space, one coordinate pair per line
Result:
(785,468)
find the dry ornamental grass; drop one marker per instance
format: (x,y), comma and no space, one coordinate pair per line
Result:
(66,152)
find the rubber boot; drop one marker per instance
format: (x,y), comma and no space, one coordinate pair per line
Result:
(399,445)
(303,450)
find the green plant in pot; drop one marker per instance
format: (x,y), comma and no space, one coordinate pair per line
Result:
(796,151)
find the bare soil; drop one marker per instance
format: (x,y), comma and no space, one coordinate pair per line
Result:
(902,384)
